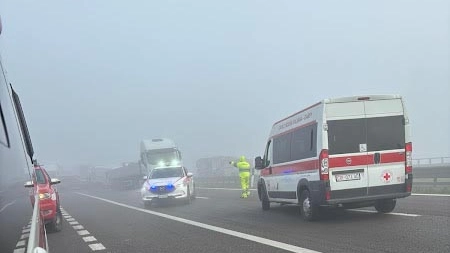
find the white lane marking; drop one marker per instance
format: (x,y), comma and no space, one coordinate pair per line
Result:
(67,216)
(226,189)
(24,236)
(4,207)
(78,227)
(89,239)
(70,219)
(97,246)
(432,195)
(261,240)
(20,243)
(74,223)
(21,250)
(201,197)
(27,230)
(372,211)
(83,232)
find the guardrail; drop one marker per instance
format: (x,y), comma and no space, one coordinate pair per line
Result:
(431,160)
(37,241)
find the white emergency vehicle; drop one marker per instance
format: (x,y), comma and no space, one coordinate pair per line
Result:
(348,152)
(159,152)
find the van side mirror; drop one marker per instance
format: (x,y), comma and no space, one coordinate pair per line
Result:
(55,181)
(145,177)
(28,184)
(189,174)
(259,163)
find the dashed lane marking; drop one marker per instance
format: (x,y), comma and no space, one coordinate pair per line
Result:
(97,246)
(78,227)
(257,239)
(89,239)
(84,233)
(20,243)
(21,250)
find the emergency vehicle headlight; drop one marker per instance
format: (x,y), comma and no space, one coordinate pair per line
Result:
(175,162)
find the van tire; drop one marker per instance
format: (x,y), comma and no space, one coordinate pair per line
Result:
(308,211)
(56,224)
(265,203)
(385,205)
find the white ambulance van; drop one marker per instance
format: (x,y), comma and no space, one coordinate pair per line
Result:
(348,152)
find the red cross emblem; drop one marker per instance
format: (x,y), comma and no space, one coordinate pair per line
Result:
(386,176)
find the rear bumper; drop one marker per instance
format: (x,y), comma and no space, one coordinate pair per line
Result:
(367,198)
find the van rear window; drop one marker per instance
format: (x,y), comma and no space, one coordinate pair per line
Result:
(381,133)
(344,136)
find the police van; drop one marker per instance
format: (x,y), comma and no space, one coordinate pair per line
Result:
(348,152)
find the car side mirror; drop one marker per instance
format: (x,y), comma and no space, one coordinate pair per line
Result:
(145,177)
(55,181)
(189,174)
(259,163)
(28,184)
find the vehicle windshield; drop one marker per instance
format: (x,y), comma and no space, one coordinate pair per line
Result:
(40,178)
(167,172)
(155,157)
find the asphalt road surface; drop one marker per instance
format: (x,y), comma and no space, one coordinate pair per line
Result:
(98,219)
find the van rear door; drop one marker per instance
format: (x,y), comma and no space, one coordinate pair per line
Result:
(347,149)
(385,146)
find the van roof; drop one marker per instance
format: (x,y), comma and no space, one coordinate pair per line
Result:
(159,143)
(360,98)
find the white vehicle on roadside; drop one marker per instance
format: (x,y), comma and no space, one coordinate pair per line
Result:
(159,152)
(347,152)
(165,183)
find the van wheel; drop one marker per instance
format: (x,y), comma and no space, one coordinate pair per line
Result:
(385,205)
(56,224)
(265,203)
(308,211)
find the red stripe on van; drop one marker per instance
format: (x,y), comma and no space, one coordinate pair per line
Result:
(292,168)
(358,160)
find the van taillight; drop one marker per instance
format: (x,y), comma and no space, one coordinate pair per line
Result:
(323,161)
(408,161)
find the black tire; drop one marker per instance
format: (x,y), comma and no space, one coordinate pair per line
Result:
(189,196)
(308,211)
(56,224)
(265,203)
(385,205)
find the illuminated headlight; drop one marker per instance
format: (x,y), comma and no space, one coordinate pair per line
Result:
(175,162)
(161,163)
(44,195)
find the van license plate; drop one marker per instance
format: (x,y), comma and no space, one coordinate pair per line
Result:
(348,177)
(163,196)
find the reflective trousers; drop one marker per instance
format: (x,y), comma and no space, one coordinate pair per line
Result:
(245,182)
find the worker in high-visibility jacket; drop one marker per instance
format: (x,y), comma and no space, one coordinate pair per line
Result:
(244,174)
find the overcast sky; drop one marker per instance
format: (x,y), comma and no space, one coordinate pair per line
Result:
(96,77)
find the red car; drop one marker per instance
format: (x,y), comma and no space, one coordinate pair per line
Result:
(48,198)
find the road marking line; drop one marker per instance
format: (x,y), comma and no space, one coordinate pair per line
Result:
(433,195)
(226,189)
(67,216)
(97,246)
(20,243)
(261,240)
(70,219)
(3,208)
(78,227)
(83,232)
(27,230)
(372,211)
(74,223)
(24,236)
(21,250)
(89,239)
(201,197)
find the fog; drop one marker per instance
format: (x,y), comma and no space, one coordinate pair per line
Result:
(96,77)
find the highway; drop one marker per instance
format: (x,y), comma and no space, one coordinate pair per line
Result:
(98,219)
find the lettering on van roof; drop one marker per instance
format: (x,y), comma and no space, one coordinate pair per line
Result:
(296,120)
